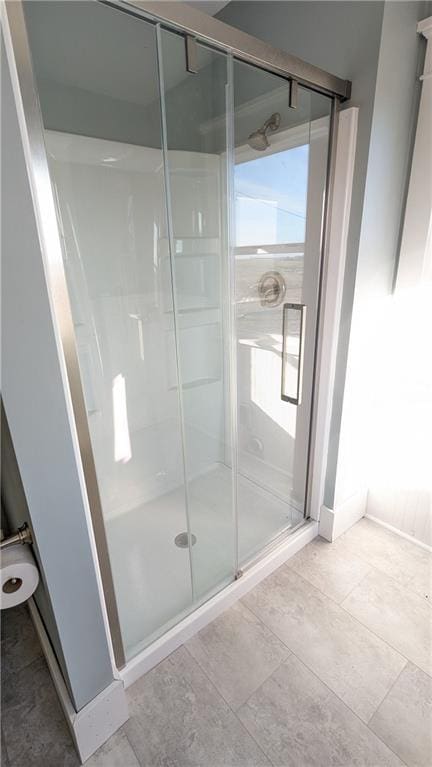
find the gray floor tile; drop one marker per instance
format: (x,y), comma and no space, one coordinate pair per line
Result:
(393,555)
(396,614)
(4,758)
(408,702)
(238,653)
(421,581)
(116,752)
(353,662)
(329,567)
(19,643)
(299,722)
(34,726)
(179,719)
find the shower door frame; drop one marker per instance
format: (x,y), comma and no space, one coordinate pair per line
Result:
(190,23)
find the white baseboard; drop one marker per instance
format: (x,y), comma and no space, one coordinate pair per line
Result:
(399,532)
(193,623)
(335,522)
(98,720)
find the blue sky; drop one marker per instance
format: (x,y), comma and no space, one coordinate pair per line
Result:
(271,195)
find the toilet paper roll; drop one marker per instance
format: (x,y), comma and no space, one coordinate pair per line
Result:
(19,575)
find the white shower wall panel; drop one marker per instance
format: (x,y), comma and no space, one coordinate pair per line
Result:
(113,214)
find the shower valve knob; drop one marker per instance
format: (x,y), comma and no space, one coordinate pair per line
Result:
(271,289)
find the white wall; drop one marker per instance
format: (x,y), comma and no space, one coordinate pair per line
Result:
(119,278)
(393,124)
(398,469)
(399,466)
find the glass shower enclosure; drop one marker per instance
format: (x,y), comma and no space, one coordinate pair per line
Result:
(190,193)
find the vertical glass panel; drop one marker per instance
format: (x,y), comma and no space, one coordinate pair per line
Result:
(97,77)
(196,129)
(279,186)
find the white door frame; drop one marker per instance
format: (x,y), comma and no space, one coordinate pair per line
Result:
(332,289)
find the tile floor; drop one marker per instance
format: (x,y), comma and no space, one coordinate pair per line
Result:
(326,662)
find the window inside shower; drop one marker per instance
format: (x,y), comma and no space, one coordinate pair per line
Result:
(182,243)
(271,198)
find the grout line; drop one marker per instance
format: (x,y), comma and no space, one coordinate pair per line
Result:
(258,617)
(130,744)
(303,663)
(365,724)
(366,562)
(359,582)
(379,569)
(252,736)
(3,747)
(309,583)
(232,710)
(402,585)
(407,660)
(332,599)
(387,694)
(392,647)
(340,604)
(266,679)
(25,666)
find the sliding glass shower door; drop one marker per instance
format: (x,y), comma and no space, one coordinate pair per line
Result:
(246,177)
(190,207)
(195,135)
(280,171)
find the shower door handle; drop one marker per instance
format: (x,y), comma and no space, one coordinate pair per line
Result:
(293,335)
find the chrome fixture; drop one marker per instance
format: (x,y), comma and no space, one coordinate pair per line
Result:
(258,139)
(293,94)
(23,535)
(182,540)
(191,55)
(271,289)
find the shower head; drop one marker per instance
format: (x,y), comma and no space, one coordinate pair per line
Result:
(258,139)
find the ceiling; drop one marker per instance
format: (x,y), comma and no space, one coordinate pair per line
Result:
(97,49)
(208,6)
(100,50)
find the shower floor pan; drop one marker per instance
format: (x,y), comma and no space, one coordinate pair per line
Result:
(152,574)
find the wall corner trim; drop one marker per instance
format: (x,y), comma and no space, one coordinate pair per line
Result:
(100,718)
(335,522)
